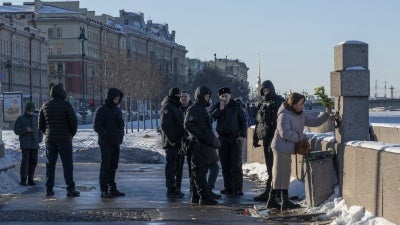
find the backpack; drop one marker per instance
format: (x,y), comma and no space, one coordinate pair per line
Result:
(266,119)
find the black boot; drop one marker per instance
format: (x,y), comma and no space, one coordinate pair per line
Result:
(263,197)
(195,198)
(272,203)
(179,193)
(212,194)
(286,203)
(206,199)
(115,192)
(73,193)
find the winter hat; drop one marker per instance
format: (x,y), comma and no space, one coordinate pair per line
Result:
(267,84)
(30,106)
(224,90)
(174,91)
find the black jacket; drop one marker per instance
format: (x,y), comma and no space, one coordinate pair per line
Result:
(108,122)
(231,120)
(197,120)
(267,113)
(171,118)
(57,118)
(28,140)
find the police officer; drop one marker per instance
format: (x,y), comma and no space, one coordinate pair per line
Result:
(232,130)
(203,141)
(172,133)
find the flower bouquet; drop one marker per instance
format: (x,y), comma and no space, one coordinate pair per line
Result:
(326,101)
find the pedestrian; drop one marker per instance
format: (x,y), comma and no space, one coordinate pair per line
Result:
(172,133)
(186,149)
(57,120)
(213,169)
(290,126)
(26,127)
(203,142)
(232,130)
(109,126)
(265,129)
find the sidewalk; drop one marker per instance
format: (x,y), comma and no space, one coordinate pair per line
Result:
(145,201)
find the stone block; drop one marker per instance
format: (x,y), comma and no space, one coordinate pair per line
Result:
(254,154)
(354,119)
(350,54)
(390,170)
(349,175)
(368,182)
(319,181)
(350,83)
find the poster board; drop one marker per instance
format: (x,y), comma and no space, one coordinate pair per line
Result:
(12,106)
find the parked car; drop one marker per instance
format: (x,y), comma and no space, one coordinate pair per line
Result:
(88,116)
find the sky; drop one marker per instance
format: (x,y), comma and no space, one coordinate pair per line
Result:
(85,143)
(294,40)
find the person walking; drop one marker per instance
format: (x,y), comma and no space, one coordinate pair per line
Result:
(26,127)
(265,129)
(290,126)
(109,126)
(232,130)
(57,120)
(203,141)
(172,133)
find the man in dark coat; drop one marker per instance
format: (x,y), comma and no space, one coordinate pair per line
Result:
(265,129)
(57,120)
(172,134)
(109,126)
(202,141)
(232,130)
(26,127)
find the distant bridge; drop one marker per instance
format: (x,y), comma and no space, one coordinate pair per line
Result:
(384,104)
(387,104)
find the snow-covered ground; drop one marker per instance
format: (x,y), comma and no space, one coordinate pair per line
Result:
(145,146)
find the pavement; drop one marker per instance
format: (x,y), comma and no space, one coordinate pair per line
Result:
(145,201)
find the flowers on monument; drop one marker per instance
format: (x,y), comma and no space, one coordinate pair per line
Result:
(320,92)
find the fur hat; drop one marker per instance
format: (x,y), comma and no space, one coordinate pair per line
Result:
(224,90)
(30,106)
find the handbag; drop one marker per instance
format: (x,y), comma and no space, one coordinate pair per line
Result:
(302,147)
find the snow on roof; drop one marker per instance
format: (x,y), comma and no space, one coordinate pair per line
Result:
(16,8)
(352,42)
(52,9)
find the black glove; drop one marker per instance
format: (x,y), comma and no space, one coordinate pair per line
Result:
(255,144)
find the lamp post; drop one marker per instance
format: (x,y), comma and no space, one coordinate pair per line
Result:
(9,68)
(82,39)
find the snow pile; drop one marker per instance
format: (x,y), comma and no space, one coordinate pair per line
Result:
(334,208)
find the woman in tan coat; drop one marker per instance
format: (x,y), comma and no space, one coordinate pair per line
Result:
(290,126)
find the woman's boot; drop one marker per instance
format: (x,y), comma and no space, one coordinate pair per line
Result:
(272,203)
(286,203)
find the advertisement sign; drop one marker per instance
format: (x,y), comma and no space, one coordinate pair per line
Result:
(12,106)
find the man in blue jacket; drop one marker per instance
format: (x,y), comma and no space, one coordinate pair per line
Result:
(26,127)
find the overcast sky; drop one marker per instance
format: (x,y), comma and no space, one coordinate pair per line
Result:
(295,39)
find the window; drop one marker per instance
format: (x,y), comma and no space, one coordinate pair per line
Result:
(125,22)
(59,49)
(50,32)
(51,50)
(59,32)
(51,68)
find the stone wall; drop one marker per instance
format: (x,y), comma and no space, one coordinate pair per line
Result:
(367,177)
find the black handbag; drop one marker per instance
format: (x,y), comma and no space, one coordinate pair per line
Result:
(302,147)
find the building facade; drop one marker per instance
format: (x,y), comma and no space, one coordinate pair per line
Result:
(23,57)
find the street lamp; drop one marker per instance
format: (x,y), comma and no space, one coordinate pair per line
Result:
(9,68)
(82,39)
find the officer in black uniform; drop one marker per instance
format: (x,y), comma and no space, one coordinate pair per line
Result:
(232,130)
(202,141)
